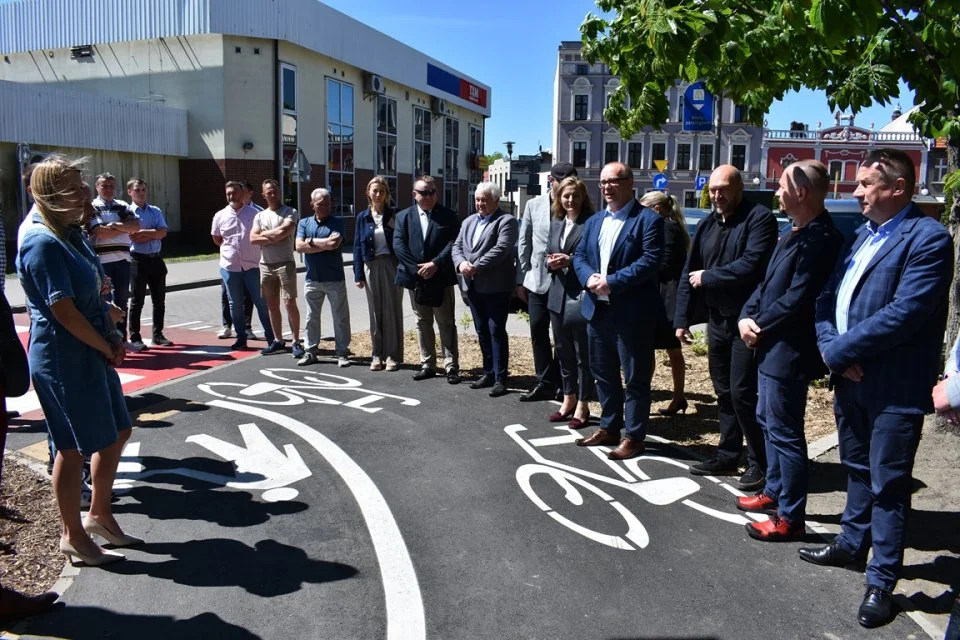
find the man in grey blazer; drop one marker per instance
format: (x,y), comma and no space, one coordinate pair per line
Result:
(532,250)
(485,254)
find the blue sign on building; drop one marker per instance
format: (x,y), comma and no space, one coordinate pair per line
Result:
(697,108)
(702,182)
(660,181)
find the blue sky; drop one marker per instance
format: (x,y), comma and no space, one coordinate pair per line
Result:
(512,47)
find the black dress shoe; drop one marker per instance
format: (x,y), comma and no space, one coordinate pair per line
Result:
(453,376)
(714,467)
(877,608)
(499,389)
(483,382)
(539,392)
(424,374)
(830,555)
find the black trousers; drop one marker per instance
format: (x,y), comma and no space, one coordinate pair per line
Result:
(147,271)
(733,371)
(225,307)
(544,360)
(490,312)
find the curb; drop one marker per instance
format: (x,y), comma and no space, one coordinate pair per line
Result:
(182,286)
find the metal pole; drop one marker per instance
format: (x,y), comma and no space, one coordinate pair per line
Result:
(716,151)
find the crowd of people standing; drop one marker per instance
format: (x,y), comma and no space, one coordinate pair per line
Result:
(782,307)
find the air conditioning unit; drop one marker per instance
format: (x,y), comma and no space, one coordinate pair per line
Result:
(374,84)
(438,106)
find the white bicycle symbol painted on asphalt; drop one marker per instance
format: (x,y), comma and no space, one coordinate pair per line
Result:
(632,478)
(296,386)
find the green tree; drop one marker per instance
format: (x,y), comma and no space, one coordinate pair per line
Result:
(755,52)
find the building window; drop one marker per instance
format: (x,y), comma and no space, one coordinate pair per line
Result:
(939,170)
(340,136)
(836,170)
(421,142)
(635,155)
(740,113)
(288,134)
(659,152)
(451,162)
(679,106)
(611,152)
(690,199)
(581,106)
(580,154)
(476,173)
(387,142)
(683,156)
(583,69)
(705,162)
(738,156)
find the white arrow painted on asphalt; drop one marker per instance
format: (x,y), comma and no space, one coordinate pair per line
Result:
(259,458)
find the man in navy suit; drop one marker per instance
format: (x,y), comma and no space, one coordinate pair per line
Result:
(728,257)
(777,322)
(422,242)
(617,262)
(880,324)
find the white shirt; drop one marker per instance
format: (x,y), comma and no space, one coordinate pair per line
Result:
(567,225)
(424,221)
(609,232)
(478,230)
(380,247)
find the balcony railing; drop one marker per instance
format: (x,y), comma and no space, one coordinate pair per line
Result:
(842,136)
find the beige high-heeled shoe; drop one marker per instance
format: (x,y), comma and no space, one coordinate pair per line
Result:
(91,526)
(108,557)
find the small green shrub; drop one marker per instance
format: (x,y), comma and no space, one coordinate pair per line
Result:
(699,346)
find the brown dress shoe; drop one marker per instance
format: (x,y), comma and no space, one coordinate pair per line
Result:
(598,438)
(627,449)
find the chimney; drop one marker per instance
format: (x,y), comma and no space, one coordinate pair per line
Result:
(836,117)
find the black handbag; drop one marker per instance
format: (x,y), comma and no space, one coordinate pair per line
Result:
(14,370)
(428,295)
(572,317)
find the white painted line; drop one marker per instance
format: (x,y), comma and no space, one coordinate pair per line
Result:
(30,402)
(22,329)
(404,603)
(566,438)
(146,323)
(623,473)
(184,324)
(202,327)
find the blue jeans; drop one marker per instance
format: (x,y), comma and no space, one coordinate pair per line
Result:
(237,281)
(626,344)
(119,274)
(780,408)
(878,449)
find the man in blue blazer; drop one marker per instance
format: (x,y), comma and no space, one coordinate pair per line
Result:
(777,322)
(617,262)
(423,242)
(880,324)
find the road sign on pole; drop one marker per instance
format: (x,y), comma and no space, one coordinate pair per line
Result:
(660,164)
(697,108)
(701,182)
(660,181)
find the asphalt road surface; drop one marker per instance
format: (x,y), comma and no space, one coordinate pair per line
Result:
(319,502)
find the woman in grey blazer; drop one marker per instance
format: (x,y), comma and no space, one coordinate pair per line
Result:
(570,209)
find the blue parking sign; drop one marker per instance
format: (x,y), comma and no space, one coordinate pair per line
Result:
(697,108)
(701,182)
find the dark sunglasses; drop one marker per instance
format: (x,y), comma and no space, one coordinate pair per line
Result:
(426,192)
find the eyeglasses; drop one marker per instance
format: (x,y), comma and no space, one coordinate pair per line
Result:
(426,192)
(612,182)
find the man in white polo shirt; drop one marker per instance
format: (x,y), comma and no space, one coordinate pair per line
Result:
(109,231)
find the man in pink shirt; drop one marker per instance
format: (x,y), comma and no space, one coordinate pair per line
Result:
(240,263)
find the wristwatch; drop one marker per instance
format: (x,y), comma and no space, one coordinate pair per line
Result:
(310,242)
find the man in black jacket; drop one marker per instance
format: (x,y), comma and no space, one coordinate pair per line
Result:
(778,323)
(727,260)
(422,242)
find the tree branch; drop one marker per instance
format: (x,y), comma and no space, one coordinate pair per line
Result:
(929,56)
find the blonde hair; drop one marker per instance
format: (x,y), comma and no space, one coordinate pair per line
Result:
(58,203)
(670,209)
(380,180)
(579,187)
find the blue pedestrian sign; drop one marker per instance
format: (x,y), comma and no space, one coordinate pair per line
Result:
(697,108)
(660,181)
(701,182)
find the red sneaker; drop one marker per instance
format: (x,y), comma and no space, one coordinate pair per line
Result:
(776,529)
(760,502)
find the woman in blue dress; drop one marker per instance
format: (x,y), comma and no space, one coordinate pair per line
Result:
(74,348)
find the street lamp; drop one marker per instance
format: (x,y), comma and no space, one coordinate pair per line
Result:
(756,181)
(509,144)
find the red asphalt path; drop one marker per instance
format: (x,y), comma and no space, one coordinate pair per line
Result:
(192,351)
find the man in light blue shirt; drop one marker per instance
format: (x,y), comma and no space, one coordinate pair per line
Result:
(147,268)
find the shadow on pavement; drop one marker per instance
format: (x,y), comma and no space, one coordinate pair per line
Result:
(267,569)
(225,508)
(91,623)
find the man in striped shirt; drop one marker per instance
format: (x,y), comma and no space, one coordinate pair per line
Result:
(109,231)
